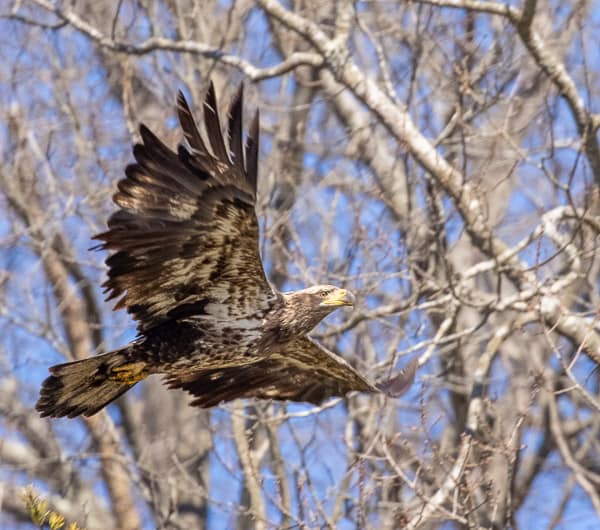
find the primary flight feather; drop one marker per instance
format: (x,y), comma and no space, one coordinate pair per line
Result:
(184,261)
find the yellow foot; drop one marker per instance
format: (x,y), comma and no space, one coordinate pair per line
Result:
(129,373)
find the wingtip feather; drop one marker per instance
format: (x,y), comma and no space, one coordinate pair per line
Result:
(252,150)
(212,123)
(399,384)
(235,126)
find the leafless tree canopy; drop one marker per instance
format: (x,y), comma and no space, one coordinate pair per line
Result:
(440,158)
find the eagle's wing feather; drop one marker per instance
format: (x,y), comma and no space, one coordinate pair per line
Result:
(185,239)
(301,371)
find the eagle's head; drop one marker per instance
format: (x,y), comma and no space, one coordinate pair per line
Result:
(327,297)
(304,309)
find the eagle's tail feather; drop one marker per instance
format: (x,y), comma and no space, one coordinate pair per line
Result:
(87,386)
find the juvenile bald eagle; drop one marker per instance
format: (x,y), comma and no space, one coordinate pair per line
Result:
(184,262)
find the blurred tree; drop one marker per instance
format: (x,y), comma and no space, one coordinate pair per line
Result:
(438,157)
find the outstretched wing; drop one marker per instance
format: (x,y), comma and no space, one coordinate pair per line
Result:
(301,371)
(185,239)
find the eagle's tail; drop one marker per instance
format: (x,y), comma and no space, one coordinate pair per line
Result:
(86,386)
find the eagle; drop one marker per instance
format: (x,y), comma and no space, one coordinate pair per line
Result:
(184,261)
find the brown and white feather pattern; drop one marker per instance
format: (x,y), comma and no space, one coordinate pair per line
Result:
(184,261)
(298,370)
(184,242)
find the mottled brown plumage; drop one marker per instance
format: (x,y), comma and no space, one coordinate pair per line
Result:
(184,261)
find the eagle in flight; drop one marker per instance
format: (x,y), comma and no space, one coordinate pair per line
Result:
(184,261)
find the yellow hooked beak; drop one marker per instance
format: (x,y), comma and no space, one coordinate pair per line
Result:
(339,297)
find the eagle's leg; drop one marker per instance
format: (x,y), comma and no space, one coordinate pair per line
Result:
(129,373)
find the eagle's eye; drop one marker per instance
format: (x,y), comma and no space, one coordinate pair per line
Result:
(323,294)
